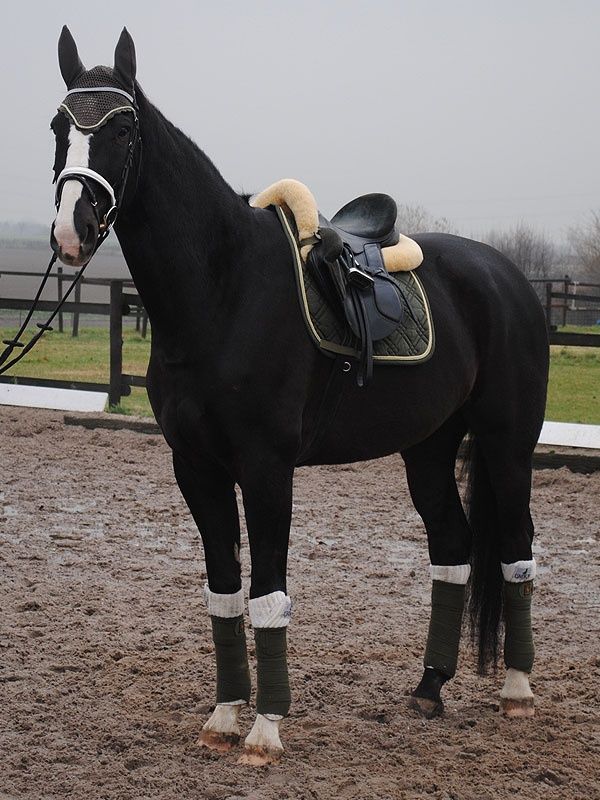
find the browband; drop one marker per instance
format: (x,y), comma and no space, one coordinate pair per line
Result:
(102,89)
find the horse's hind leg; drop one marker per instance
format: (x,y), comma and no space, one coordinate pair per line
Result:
(507,461)
(431,480)
(209,492)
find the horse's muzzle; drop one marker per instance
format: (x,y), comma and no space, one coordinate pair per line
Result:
(75,252)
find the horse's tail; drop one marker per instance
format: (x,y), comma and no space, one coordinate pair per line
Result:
(485,597)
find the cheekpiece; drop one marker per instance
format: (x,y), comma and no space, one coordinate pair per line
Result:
(94,98)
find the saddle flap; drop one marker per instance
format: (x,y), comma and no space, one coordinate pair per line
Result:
(381,305)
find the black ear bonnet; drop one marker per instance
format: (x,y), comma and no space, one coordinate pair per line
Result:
(90,103)
(97,94)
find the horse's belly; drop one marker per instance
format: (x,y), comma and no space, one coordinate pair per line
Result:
(402,406)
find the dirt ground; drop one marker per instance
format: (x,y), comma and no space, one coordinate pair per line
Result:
(106,667)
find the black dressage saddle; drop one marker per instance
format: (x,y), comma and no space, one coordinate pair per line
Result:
(347,265)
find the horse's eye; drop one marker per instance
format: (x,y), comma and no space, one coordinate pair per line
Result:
(123,132)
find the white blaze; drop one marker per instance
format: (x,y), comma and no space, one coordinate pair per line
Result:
(78,155)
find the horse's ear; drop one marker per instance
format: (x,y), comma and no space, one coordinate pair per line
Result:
(68,58)
(125,64)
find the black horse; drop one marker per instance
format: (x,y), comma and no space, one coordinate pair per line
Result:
(236,385)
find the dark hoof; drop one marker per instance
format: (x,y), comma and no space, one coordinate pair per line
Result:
(427,708)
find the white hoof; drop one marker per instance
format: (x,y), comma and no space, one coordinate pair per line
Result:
(516,697)
(222,731)
(263,744)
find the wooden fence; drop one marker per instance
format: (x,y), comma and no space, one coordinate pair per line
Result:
(121,304)
(562,296)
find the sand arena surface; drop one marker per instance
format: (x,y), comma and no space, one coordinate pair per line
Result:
(106,665)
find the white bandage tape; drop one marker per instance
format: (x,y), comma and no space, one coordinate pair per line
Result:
(270,611)
(455,574)
(519,572)
(224,605)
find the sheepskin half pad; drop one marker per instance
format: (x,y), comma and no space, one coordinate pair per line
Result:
(411,343)
(297,199)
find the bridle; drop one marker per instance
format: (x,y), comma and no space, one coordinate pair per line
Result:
(85,176)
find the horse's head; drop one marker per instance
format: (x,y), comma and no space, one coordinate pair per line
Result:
(96,132)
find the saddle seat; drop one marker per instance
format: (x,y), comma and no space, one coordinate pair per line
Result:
(370,218)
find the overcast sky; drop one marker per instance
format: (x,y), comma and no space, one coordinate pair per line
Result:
(485,112)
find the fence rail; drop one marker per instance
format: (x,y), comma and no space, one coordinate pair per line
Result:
(563,300)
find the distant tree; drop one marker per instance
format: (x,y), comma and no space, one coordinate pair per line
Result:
(533,252)
(416,219)
(585,243)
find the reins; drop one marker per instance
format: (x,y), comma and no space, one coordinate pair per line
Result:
(83,175)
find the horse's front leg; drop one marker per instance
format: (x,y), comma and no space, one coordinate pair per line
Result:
(267,493)
(210,494)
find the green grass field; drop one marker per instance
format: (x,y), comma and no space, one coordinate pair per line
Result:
(574,392)
(86,358)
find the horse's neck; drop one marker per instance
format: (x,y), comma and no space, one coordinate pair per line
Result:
(182,228)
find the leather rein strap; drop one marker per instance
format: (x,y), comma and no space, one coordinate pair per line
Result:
(84,175)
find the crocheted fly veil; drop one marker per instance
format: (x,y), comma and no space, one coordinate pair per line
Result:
(94,97)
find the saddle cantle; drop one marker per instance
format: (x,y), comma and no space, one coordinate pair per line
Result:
(345,265)
(369,218)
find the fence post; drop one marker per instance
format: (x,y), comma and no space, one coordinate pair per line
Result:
(567,281)
(76,313)
(548,305)
(116,342)
(144,324)
(61,325)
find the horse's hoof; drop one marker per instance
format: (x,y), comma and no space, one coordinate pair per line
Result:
(515,709)
(426,707)
(220,742)
(259,756)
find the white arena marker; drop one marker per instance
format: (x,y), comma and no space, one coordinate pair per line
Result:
(570,434)
(47,397)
